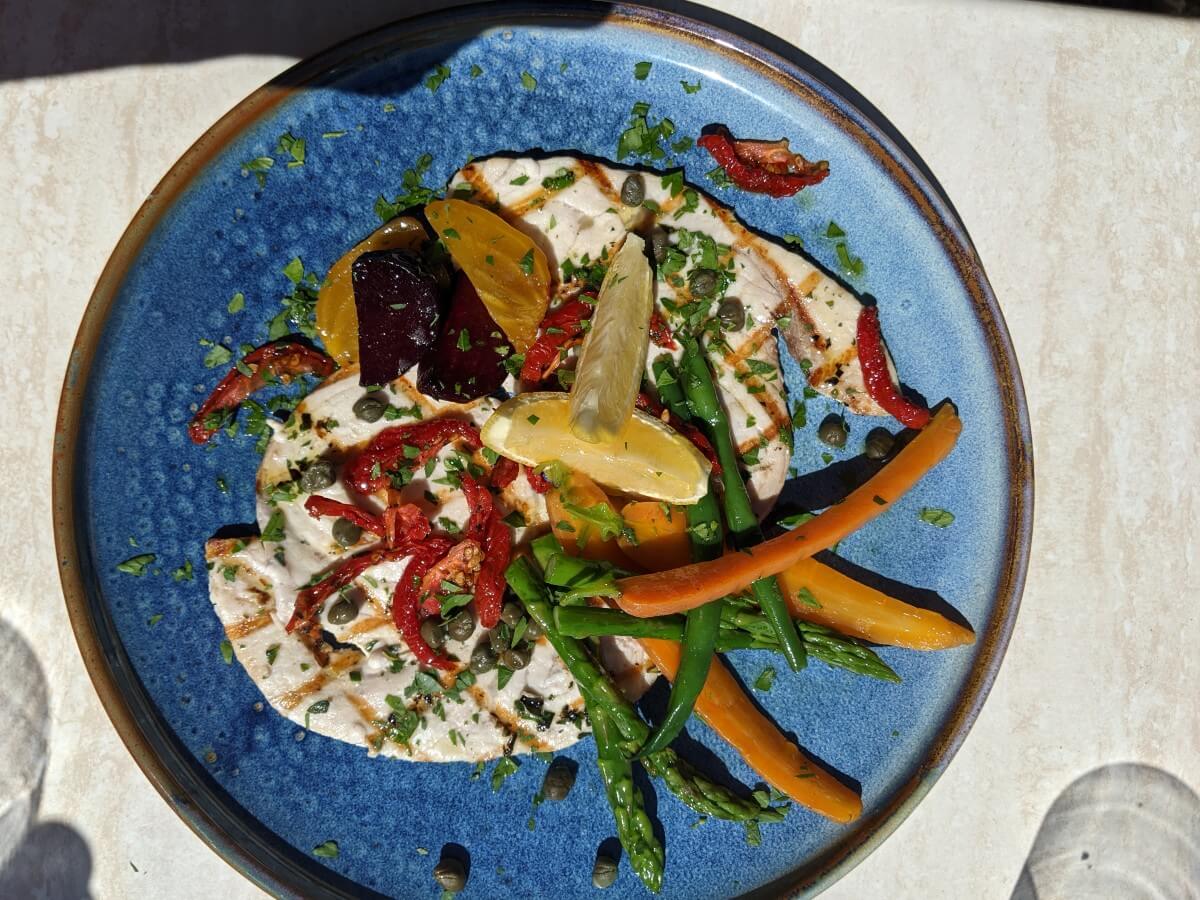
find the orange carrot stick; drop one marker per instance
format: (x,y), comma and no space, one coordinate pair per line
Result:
(853,609)
(731,714)
(686,587)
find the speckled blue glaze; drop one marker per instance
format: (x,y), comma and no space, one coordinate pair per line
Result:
(141,481)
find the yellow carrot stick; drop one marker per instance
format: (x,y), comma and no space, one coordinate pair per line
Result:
(731,714)
(853,609)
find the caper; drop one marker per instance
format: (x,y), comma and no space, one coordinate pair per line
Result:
(879,443)
(498,641)
(659,243)
(559,780)
(533,630)
(702,283)
(511,613)
(633,190)
(450,874)
(433,632)
(604,872)
(369,409)
(833,431)
(461,626)
(731,314)
(482,659)
(346,532)
(317,477)
(343,612)
(515,658)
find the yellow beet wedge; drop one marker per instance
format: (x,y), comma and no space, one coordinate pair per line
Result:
(507,269)
(613,359)
(646,458)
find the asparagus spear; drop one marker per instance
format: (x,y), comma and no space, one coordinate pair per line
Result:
(634,829)
(743,524)
(703,796)
(740,630)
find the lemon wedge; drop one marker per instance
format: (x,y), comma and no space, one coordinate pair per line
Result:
(646,458)
(613,359)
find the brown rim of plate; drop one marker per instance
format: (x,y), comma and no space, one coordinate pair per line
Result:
(280,874)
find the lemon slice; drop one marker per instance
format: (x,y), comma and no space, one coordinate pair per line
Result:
(646,458)
(613,359)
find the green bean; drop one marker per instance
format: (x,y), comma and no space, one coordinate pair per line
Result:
(703,623)
(701,393)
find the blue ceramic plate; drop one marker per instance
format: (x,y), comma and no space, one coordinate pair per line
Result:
(127,480)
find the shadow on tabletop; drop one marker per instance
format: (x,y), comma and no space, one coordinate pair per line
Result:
(46,859)
(1125,830)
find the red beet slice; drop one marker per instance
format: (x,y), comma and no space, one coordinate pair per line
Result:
(399,310)
(467,361)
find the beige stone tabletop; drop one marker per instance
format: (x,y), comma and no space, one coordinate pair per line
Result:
(1068,139)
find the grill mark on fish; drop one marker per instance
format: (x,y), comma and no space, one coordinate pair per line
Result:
(339,662)
(362,626)
(542,194)
(482,190)
(600,177)
(247,626)
(768,434)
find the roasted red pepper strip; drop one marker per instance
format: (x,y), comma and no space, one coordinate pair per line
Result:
(319,506)
(660,332)
(539,482)
(764,167)
(489,586)
(280,361)
(559,329)
(648,404)
(504,473)
(367,472)
(479,499)
(405,523)
(406,602)
(459,567)
(876,376)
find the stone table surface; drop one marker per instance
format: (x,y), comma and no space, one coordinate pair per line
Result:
(1067,138)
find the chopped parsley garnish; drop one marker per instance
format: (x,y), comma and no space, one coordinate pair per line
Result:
(218,355)
(184,572)
(673,181)
(475,71)
(505,768)
(641,139)
(603,517)
(851,265)
(528,82)
(526,261)
(326,850)
(464,340)
(718,177)
(154,619)
(452,234)
(236,303)
(137,565)
(413,193)
(503,674)
(532,420)
(690,88)
(939,518)
(293,147)
(765,679)
(793,239)
(515,519)
(519,180)
(317,709)
(641,70)
(440,74)
(260,165)
(834,231)
(272,654)
(331,135)
(274,533)
(227,652)
(805,596)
